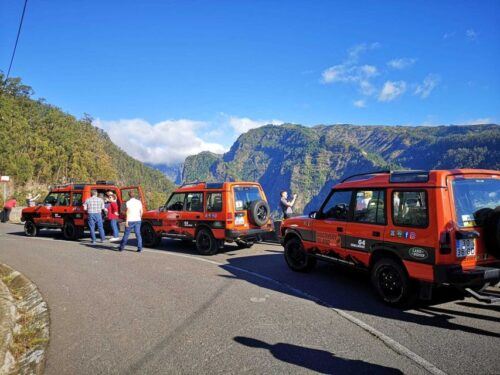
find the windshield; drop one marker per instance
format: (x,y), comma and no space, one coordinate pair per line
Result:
(244,196)
(471,195)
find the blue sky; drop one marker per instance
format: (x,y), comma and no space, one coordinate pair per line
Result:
(154,73)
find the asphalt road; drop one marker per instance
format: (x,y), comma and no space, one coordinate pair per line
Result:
(243,311)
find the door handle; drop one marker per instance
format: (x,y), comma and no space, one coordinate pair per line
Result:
(198,216)
(340,229)
(177,216)
(376,234)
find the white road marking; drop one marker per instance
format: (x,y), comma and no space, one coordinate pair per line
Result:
(391,343)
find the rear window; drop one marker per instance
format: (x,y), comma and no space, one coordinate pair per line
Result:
(244,196)
(472,195)
(409,208)
(214,202)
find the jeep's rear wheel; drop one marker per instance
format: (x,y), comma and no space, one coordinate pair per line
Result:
(30,228)
(391,282)
(70,231)
(296,257)
(205,242)
(149,236)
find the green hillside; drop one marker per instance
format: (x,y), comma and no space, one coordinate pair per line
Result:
(309,161)
(42,145)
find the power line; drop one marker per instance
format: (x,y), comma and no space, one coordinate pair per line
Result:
(17,38)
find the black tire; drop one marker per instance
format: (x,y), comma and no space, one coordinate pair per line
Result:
(70,231)
(206,244)
(149,236)
(30,228)
(259,213)
(296,257)
(390,280)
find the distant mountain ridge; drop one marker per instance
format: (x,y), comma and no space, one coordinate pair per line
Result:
(310,160)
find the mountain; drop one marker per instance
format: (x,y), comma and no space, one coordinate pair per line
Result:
(41,145)
(310,160)
(173,172)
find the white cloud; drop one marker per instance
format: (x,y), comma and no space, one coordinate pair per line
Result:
(425,88)
(449,35)
(355,51)
(167,142)
(359,103)
(479,121)
(471,34)
(244,124)
(391,90)
(401,63)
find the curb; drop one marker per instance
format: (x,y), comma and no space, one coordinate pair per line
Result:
(24,324)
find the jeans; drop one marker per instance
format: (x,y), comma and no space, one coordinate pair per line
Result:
(136,226)
(6,215)
(93,220)
(114,227)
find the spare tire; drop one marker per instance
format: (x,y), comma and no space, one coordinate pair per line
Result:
(491,226)
(259,212)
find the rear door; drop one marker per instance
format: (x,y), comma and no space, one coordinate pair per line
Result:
(61,208)
(77,211)
(366,227)
(138,194)
(330,225)
(192,213)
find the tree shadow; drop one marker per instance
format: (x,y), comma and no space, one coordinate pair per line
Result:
(342,288)
(316,360)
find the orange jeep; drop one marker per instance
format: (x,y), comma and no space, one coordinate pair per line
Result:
(210,214)
(63,208)
(409,229)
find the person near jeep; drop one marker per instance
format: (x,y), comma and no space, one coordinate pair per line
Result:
(287,206)
(113,216)
(94,207)
(7,208)
(133,221)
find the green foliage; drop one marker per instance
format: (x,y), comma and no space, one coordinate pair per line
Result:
(41,145)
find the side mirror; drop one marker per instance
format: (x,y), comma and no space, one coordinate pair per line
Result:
(313,214)
(161,208)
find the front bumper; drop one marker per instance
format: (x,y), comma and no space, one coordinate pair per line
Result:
(246,235)
(457,276)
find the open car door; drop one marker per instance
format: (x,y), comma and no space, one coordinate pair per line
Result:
(125,197)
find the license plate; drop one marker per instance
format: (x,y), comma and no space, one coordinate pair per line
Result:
(239,220)
(465,248)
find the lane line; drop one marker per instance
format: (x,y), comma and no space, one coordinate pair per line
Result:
(388,341)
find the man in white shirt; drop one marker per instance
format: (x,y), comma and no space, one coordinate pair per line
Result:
(133,221)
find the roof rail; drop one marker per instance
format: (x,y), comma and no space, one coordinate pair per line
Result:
(387,171)
(105,182)
(409,176)
(192,183)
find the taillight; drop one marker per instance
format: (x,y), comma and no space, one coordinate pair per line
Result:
(229,217)
(445,243)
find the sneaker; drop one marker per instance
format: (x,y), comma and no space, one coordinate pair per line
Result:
(119,248)
(139,250)
(93,243)
(114,239)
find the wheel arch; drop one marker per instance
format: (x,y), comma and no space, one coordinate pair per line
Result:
(384,252)
(289,234)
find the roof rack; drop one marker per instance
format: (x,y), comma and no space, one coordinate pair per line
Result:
(409,176)
(192,183)
(387,171)
(104,182)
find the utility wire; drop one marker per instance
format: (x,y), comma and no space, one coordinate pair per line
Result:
(17,38)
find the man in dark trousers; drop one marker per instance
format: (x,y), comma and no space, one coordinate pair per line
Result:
(287,206)
(7,208)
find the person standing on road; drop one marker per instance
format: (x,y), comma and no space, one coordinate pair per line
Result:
(133,221)
(31,200)
(94,207)
(113,216)
(7,208)
(287,206)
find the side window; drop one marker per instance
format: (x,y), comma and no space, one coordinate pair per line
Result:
(51,199)
(176,202)
(63,199)
(194,202)
(409,208)
(76,200)
(214,202)
(370,207)
(337,206)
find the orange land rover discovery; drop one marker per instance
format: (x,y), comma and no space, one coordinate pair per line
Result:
(412,230)
(210,213)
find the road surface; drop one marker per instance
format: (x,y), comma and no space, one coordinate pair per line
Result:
(169,310)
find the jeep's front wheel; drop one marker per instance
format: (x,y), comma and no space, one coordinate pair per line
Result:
(392,283)
(149,236)
(30,228)
(205,242)
(296,257)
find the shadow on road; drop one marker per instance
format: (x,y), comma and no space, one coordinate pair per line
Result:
(346,289)
(315,359)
